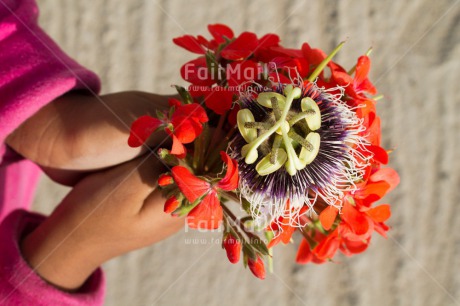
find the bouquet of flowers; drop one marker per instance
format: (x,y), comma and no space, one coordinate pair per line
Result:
(288,136)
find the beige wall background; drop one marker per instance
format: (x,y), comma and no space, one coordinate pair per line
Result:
(416,65)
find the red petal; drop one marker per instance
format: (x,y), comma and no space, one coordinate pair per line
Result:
(380,155)
(286,234)
(219,31)
(278,78)
(219,100)
(354,246)
(174,102)
(192,111)
(178,148)
(257,267)
(208,214)
(171,205)
(327,217)
(387,175)
(187,121)
(238,73)
(304,254)
(294,53)
(187,130)
(189,43)
(268,40)
(274,241)
(196,72)
(141,129)
(241,48)
(374,131)
(313,56)
(380,213)
(233,113)
(368,87)
(327,248)
(382,229)
(230,180)
(355,219)
(362,69)
(191,186)
(378,189)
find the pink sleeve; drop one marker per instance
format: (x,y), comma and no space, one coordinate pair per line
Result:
(20,285)
(33,72)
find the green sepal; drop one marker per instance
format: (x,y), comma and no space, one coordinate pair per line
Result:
(185,209)
(168,158)
(249,251)
(184,94)
(258,244)
(160,114)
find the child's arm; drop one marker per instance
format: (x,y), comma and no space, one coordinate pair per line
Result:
(84,132)
(105,215)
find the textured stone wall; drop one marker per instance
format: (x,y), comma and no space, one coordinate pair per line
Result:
(416,65)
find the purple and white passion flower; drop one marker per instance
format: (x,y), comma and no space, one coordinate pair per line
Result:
(297,145)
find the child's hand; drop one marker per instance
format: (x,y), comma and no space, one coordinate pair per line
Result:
(83,132)
(105,215)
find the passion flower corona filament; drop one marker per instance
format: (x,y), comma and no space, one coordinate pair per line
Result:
(298,144)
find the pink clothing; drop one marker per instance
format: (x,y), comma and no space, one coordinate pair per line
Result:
(33,72)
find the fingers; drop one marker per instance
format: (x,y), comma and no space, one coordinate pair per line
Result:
(131,183)
(155,221)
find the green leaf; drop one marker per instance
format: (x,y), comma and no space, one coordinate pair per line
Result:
(249,251)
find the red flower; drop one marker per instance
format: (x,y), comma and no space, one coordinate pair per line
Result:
(141,129)
(197,72)
(165,180)
(358,85)
(208,212)
(233,248)
(185,124)
(241,48)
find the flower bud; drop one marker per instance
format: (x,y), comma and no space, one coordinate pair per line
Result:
(165,180)
(257,267)
(233,248)
(171,204)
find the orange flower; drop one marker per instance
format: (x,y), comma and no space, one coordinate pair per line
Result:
(207,213)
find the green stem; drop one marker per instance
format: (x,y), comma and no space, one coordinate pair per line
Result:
(221,146)
(235,220)
(198,146)
(323,64)
(215,135)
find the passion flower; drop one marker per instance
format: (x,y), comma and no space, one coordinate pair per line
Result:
(296,142)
